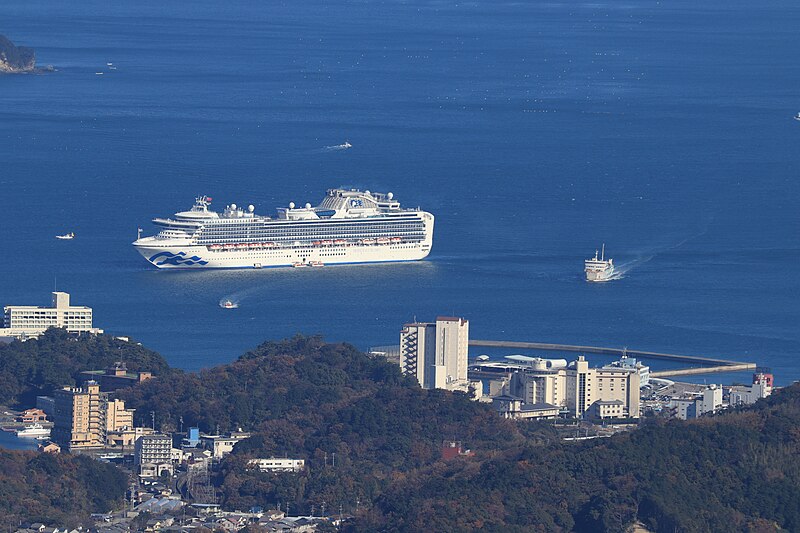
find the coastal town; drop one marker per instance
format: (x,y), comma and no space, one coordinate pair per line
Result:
(171,471)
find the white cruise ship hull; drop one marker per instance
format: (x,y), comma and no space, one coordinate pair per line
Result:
(167,256)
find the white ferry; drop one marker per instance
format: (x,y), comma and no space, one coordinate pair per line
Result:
(34,430)
(599,268)
(66,236)
(348,226)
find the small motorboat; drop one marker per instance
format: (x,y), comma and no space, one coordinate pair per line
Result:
(797,116)
(228,304)
(66,236)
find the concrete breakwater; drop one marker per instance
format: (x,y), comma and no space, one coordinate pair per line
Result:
(709,364)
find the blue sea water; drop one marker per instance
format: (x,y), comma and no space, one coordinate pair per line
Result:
(534,131)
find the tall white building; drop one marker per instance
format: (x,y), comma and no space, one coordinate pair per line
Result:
(436,353)
(32,321)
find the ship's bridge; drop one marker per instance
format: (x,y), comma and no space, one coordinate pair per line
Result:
(199,210)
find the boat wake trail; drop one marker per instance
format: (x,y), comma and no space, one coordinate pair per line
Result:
(622,269)
(337,147)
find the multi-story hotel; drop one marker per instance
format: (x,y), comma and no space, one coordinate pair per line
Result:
(32,321)
(608,392)
(84,416)
(436,353)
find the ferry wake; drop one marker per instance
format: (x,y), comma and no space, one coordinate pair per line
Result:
(348,226)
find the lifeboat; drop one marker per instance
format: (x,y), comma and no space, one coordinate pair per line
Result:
(316,243)
(383,240)
(368,241)
(339,242)
(242,246)
(269,245)
(255,246)
(326,243)
(228,246)
(396,239)
(215,247)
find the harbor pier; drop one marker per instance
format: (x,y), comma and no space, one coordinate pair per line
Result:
(709,364)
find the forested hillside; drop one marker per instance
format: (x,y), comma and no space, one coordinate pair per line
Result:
(307,399)
(56,489)
(738,471)
(37,366)
(372,439)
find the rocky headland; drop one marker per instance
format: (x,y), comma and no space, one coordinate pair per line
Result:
(15,59)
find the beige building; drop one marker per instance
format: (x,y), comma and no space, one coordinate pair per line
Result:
(84,416)
(436,353)
(31,321)
(578,387)
(585,386)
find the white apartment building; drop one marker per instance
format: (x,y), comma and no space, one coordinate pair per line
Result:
(761,388)
(277,464)
(153,455)
(695,406)
(32,321)
(436,353)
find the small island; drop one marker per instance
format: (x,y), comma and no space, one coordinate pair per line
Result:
(16,59)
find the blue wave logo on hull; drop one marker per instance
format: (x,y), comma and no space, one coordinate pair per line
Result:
(179,259)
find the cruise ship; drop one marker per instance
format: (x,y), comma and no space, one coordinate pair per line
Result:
(599,268)
(348,226)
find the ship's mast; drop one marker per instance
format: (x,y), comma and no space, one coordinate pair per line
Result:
(603,254)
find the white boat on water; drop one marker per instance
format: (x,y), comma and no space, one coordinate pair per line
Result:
(228,304)
(34,430)
(599,268)
(797,116)
(66,237)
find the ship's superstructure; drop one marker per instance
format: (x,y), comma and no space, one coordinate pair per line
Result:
(348,226)
(599,268)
